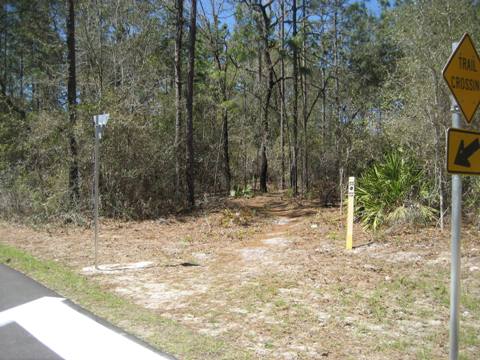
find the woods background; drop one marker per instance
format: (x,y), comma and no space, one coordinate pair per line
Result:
(212,95)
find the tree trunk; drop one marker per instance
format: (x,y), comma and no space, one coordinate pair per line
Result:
(224,93)
(305,184)
(189,130)
(21,75)
(5,52)
(72,102)
(244,137)
(324,108)
(270,83)
(282,94)
(294,180)
(226,157)
(337,122)
(265,28)
(436,123)
(263,148)
(178,92)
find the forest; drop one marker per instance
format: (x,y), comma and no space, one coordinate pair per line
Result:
(227,97)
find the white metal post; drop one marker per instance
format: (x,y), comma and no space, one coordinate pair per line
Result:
(456,223)
(455,248)
(99,122)
(95,198)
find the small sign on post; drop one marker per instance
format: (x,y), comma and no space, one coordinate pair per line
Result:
(100,121)
(351,203)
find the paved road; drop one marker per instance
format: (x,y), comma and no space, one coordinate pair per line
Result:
(38,324)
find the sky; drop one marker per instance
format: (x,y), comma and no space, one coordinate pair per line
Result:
(374,7)
(227,13)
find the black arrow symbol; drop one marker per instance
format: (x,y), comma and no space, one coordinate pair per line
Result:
(464,153)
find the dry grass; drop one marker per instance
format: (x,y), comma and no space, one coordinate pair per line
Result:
(273,278)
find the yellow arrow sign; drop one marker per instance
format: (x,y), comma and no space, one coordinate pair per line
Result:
(462,74)
(463,152)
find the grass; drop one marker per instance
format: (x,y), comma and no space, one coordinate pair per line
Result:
(393,310)
(333,235)
(410,297)
(424,354)
(377,306)
(162,333)
(470,336)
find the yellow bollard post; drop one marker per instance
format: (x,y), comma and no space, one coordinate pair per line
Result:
(351,202)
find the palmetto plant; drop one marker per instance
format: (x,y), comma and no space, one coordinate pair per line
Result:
(391,193)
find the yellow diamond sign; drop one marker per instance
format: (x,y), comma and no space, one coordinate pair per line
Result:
(462,74)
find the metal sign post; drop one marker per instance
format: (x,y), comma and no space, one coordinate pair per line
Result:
(100,121)
(456,224)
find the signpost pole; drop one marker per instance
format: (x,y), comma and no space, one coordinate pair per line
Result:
(99,123)
(95,198)
(456,223)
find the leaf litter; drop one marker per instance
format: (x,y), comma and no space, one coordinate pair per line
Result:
(271,283)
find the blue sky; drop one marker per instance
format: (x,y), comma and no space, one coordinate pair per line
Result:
(374,7)
(226,15)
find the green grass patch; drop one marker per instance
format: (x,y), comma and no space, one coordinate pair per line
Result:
(424,354)
(400,345)
(470,302)
(376,303)
(162,333)
(469,336)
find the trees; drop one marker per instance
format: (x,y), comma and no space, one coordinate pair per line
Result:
(217,38)
(289,87)
(422,95)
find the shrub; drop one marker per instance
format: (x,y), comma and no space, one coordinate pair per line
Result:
(390,193)
(246,192)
